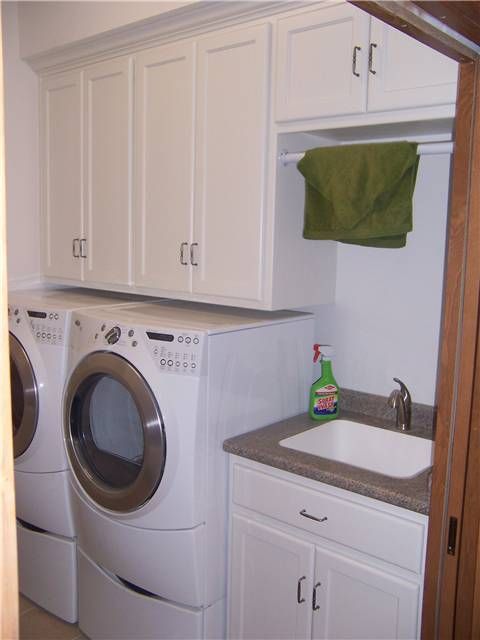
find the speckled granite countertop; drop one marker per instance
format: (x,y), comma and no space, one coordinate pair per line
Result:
(263,446)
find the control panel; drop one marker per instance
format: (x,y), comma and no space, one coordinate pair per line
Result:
(48,327)
(179,353)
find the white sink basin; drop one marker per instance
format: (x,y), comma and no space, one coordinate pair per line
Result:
(387,452)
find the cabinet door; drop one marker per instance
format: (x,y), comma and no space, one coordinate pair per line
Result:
(108,142)
(231,144)
(270,583)
(322,59)
(61,167)
(164,115)
(406,73)
(358,602)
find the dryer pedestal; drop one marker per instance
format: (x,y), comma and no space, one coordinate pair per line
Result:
(47,571)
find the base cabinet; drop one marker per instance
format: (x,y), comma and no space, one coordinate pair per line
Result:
(286,583)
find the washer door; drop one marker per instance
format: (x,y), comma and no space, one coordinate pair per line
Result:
(24,397)
(114,432)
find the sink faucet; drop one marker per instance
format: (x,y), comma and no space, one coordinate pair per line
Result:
(400,400)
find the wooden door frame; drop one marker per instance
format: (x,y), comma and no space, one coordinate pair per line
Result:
(452,583)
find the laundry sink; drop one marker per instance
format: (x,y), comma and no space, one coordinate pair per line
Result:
(390,453)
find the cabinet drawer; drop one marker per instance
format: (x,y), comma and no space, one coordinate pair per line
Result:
(377,533)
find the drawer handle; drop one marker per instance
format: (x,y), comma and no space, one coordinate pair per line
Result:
(299,590)
(315,606)
(354,61)
(370,58)
(76,247)
(83,249)
(307,515)
(192,254)
(182,253)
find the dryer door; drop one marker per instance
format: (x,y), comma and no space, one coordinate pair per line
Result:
(114,432)
(24,397)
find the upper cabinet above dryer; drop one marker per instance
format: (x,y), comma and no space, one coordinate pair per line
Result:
(336,60)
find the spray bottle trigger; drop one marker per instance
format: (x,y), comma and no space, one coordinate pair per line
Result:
(317,353)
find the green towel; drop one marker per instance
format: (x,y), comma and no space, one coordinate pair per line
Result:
(360,194)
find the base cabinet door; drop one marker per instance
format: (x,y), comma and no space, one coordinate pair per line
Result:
(355,601)
(108,140)
(61,167)
(270,583)
(164,148)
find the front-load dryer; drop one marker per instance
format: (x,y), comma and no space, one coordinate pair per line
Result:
(152,393)
(39,323)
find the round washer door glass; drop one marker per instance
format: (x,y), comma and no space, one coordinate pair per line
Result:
(114,432)
(24,397)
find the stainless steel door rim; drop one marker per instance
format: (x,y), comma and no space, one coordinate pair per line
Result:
(25,430)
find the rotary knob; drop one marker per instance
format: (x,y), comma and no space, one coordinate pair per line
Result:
(113,335)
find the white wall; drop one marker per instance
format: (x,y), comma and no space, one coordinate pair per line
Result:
(386,319)
(21,140)
(46,25)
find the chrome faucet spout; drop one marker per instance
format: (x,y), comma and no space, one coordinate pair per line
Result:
(401,400)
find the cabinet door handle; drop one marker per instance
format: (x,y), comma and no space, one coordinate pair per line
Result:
(315,606)
(182,253)
(192,251)
(83,248)
(299,590)
(354,61)
(76,247)
(307,515)
(370,57)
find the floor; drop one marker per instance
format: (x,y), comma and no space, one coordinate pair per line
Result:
(38,624)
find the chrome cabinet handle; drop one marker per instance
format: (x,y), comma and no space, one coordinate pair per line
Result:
(76,247)
(83,248)
(370,57)
(354,61)
(182,253)
(315,606)
(307,515)
(192,260)
(299,590)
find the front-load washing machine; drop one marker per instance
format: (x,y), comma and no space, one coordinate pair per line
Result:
(153,391)
(39,322)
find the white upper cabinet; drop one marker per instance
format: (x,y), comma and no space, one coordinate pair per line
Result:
(321,63)
(231,143)
(406,73)
(337,60)
(164,159)
(61,167)
(108,125)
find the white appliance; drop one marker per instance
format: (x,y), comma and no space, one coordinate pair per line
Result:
(153,391)
(39,322)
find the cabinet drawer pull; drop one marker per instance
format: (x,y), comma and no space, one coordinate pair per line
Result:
(76,247)
(354,61)
(315,606)
(370,57)
(192,258)
(299,590)
(83,248)
(307,515)
(182,253)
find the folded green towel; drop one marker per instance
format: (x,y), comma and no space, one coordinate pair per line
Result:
(360,194)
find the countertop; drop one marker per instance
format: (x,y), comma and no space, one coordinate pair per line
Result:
(262,445)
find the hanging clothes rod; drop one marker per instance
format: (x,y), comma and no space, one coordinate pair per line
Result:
(426,149)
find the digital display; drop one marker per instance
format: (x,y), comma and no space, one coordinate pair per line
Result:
(37,314)
(164,337)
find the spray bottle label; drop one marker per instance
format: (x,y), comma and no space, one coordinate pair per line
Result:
(325,401)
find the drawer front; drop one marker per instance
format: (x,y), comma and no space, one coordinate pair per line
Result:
(376,533)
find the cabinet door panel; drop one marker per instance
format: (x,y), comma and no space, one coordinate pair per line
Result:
(265,570)
(108,136)
(316,75)
(407,72)
(232,87)
(61,109)
(358,602)
(164,166)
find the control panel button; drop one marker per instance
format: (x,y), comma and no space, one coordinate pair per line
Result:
(185,364)
(130,333)
(56,316)
(196,341)
(188,339)
(163,361)
(193,365)
(113,335)
(180,338)
(170,363)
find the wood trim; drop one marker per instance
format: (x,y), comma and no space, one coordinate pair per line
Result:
(464,17)
(405,19)
(456,368)
(8,541)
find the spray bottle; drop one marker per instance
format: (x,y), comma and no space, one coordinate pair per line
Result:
(324,391)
